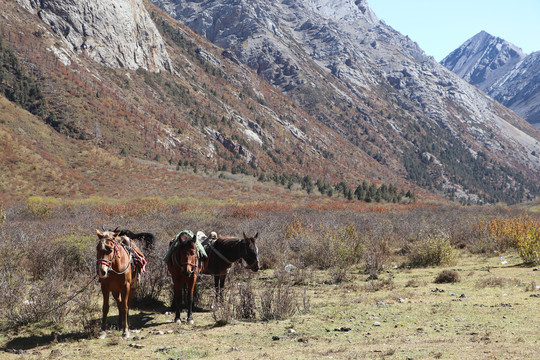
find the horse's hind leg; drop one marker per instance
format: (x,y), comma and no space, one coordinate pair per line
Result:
(105,310)
(123,309)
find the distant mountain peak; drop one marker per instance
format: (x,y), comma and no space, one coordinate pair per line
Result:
(501,70)
(483,59)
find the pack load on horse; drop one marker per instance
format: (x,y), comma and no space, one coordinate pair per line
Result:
(148,238)
(119,265)
(223,251)
(183,262)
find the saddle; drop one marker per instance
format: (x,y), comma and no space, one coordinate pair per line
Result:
(138,261)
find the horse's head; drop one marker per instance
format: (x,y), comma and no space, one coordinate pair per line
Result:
(106,252)
(187,252)
(251,253)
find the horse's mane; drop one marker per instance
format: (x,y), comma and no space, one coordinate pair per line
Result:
(228,241)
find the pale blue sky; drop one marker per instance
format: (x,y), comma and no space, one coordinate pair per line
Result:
(441,26)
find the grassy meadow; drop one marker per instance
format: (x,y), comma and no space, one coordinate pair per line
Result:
(337,282)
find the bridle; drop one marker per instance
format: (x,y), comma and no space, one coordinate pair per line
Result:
(108,263)
(194,265)
(252,265)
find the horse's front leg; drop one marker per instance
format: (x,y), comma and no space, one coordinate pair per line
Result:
(220,284)
(177,300)
(191,288)
(219,294)
(105,310)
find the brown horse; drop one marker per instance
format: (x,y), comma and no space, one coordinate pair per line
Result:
(224,252)
(117,276)
(183,265)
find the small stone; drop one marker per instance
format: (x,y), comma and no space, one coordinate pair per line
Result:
(291,331)
(275,338)
(136,346)
(164,349)
(376,323)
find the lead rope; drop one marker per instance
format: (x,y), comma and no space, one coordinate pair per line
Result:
(72,297)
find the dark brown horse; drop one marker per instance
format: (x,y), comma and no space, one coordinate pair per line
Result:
(117,276)
(224,252)
(183,265)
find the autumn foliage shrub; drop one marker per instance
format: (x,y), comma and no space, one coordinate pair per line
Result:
(529,246)
(521,233)
(39,207)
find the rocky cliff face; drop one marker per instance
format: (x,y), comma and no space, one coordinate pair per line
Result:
(501,70)
(330,56)
(115,34)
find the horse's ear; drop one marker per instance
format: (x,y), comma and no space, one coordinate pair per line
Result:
(256,236)
(245,237)
(99,234)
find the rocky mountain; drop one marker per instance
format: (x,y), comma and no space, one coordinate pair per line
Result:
(116,34)
(317,89)
(371,84)
(501,70)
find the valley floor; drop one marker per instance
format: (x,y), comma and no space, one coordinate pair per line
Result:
(492,313)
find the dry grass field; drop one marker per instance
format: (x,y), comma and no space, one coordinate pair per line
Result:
(377,304)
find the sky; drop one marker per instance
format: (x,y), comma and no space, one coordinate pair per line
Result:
(441,26)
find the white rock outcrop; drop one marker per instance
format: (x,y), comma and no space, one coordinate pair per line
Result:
(116,33)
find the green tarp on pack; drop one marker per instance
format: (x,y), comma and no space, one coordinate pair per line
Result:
(174,243)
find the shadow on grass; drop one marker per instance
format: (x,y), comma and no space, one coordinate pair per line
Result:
(19,345)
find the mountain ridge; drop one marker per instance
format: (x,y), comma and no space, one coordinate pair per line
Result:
(334,106)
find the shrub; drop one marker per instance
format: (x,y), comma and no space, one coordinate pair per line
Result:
(38,207)
(447,277)
(529,246)
(325,248)
(156,278)
(507,233)
(245,303)
(76,252)
(496,281)
(278,302)
(432,250)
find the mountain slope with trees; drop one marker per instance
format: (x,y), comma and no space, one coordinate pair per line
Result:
(212,112)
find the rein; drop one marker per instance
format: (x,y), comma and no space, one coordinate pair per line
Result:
(221,256)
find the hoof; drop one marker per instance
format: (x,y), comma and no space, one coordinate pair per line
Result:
(102,335)
(125,335)
(178,321)
(190,322)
